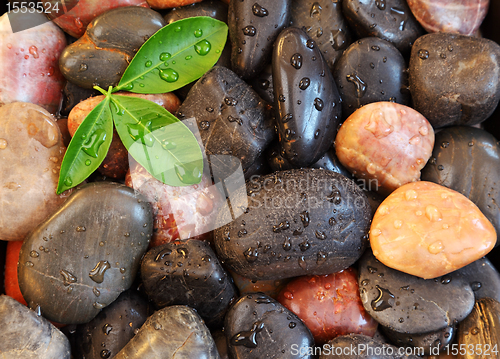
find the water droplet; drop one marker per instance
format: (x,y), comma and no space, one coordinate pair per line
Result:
(238,120)
(3,143)
(315,10)
(304,217)
(188,173)
(423,54)
(34,254)
(310,43)
(88,163)
(292,325)
(440,167)
(296,60)
(251,254)
(203,47)
(148,63)
(286,118)
(198,33)
(339,39)
(83,67)
(259,11)
(304,246)
(397,13)
(432,213)
(302,263)
(304,83)
(321,257)
(375,232)
(204,125)
(178,29)
(97,273)
(96,292)
(436,247)
(248,338)
(411,194)
(249,30)
(446,279)
(380,4)
(287,244)
(334,197)
(92,145)
(288,295)
(383,301)
(445,144)
(289,134)
(398,223)
(168,145)
(128,87)
(169,75)
(68,278)
(188,57)
(230,101)
(359,85)
(415,140)
(318,104)
(474,331)
(476,286)
(316,134)
(284,225)
(164,56)
(320,235)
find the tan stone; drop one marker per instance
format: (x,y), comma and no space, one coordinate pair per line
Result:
(428,230)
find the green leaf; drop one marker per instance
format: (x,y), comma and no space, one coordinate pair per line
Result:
(87,148)
(156,139)
(176,55)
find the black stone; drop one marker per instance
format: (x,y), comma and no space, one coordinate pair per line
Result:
(176,331)
(390,20)
(325,24)
(371,70)
(427,343)
(298,222)
(29,336)
(188,273)
(275,160)
(259,168)
(408,304)
(103,53)
(330,162)
(73,95)
(455,79)
(231,117)
(106,334)
(221,342)
(467,160)
(82,257)
(258,327)
(480,330)
(306,98)
(263,84)
(253,28)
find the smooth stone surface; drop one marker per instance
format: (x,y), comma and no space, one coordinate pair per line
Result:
(390,20)
(73,95)
(408,304)
(325,24)
(176,331)
(483,278)
(457,16)
(454,79)
(263,84)
(31,151)
(378,350)
(167,4)
(467,160)
(103,53)
(221,343)
(231,117)
(28,336)
(106,334)
(188,273)
(76,20)
(81,258)
(306,98)
(428,230)
(330,162)
(426,343)
(269,287)
(385,144)
(257,325)
(480,330)
(253,28)
(298,222)
(371,70)
(328,305)
(29,68)
(276,160)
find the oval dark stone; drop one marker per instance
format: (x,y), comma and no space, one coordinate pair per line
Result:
(263,84)
(409,304)
(188,273)
(325,24)
(426,343)
(467,160)
(257,325)
(298,222)
(390,20)
(306,98)
(82,257)
(252,48)
(371,70)
(455,79)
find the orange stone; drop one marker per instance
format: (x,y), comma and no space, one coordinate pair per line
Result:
(428,230)
(385,144)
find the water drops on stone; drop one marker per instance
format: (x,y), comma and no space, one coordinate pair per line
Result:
(359,84)
(81,229)
(476,286)
(68,278)
(321,257)
(96,292)
(230,101)
(259,11)
(318,104)
(286,118)
(248,338)
(251,254)
(380,4)
(83,67)
(296,61)
(423,54)
(304,83)
(97,273)
(249,30)
(302,262)
(238,120)
(3,143)
(385,300)
(34,254)
(315,10)
(287,244)
(310,43)
(204,125)
(304,218)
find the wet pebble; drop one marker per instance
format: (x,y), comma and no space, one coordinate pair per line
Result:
(424,344)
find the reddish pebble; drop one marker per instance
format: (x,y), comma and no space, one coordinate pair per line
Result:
(328,305)
(167,4)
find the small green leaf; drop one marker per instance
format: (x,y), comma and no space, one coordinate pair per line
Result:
(87,148)
(176,55)
(156,139)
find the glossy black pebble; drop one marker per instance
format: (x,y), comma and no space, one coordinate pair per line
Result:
(106,334)
(467,160)
(257,325)
(188,273)
(176,331)
(408,304)
(253,27)
(298,222)
(82,257)
(306,98)
(103,53)
(231,117)
(351,347)
(483,278)
(371,70)
(325,24)
(29,336)
(455,79)
(390,20)
(427,343)
(263,84)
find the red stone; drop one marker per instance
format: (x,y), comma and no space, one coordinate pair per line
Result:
(328,305)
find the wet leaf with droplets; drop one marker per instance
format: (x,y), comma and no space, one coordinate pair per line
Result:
(197,46)
(156,139)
